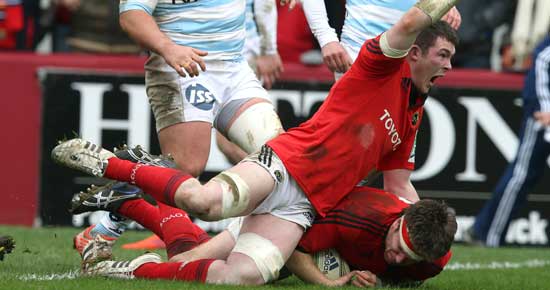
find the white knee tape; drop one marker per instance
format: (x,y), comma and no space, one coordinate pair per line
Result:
(256,125)
(265,254)
(235,194)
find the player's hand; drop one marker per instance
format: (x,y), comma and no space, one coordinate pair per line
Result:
(184,59)
(269,69)
(363,279)
(336,57)
(291,3)
(453,18)
(543,118)
(344,280)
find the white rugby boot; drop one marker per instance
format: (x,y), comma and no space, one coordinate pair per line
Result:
(82,155)
(120,269)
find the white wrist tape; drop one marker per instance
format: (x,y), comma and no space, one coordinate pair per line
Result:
(435,8)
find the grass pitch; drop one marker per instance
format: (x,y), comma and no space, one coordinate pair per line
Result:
(44,259)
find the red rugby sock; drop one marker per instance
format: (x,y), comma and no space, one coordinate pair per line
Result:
(192,271)
(179,232)
(159,182)
(143,213)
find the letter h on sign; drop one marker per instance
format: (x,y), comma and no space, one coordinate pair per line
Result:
(91,113)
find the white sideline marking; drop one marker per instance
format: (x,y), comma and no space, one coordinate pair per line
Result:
(72,274)
(535,263)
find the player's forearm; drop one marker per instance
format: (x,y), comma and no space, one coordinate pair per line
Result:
(316,15)
(403,34)
(303,266)
(265,15)
(399,183)
(143,29)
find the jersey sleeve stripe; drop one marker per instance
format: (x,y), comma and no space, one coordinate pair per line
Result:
(350,225)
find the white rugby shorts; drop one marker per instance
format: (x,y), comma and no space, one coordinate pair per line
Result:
(175,99)
(287,200)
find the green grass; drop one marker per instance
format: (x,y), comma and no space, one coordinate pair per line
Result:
(46,251)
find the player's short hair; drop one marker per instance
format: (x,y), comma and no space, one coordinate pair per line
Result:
(431,226)
(429,35)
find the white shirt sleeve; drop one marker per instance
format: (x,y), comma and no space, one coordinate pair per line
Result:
(317,18)
(145,5)
(265,15)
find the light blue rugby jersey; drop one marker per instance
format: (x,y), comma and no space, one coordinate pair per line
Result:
(252,42)
(366,19)
(215,26)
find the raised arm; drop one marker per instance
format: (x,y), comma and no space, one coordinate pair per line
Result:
(400,37)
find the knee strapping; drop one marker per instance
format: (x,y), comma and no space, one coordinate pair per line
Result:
(252,128)
(235,194)
(267,257)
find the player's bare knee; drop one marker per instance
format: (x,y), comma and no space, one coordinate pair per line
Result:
(237,270)
(249,275)
(192,197)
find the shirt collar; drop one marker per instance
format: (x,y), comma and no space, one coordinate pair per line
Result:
(416,98)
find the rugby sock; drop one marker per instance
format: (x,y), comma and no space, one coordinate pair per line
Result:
(143,213)
(161,183)
(111,225)
(178,230)
(192,271)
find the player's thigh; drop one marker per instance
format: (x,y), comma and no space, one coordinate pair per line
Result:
(184,111)
(248,117)
(188,143)
(284,234)
(264,244)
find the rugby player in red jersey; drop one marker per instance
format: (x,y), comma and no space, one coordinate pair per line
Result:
(368,122)
(384,238)
(368,228)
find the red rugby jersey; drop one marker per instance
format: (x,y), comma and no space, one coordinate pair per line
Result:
(357,229)
(365,123)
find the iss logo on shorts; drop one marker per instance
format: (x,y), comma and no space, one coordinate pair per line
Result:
(199,96)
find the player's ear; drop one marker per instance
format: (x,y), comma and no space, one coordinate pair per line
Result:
(415,52)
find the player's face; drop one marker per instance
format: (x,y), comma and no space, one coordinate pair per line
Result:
(394,253)
(433,64)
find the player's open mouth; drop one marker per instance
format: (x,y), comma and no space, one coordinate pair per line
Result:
(433,79)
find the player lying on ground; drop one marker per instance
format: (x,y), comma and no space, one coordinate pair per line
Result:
(405,243)
(309,169)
